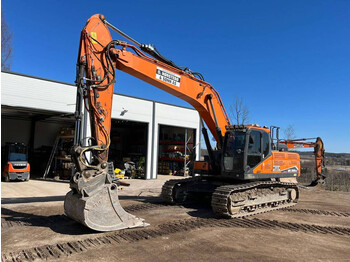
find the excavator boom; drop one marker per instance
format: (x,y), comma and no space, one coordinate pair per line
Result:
(200,94)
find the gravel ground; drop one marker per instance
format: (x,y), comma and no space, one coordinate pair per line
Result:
(35,228)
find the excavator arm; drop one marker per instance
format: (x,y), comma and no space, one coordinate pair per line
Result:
(297,143)
(319,150)
(93,199)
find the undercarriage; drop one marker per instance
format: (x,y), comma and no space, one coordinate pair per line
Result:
(233,199)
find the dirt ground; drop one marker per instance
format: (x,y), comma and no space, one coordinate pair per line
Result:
(34,228)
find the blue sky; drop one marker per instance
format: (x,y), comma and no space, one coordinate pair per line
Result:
(288,60)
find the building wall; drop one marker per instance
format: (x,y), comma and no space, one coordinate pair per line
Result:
(41,94)
(15,131)
(21,91)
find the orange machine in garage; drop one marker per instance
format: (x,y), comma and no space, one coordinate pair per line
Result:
(15,162)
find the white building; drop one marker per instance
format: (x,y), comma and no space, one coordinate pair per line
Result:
(34,110)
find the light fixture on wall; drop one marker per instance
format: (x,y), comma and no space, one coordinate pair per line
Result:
(123,111)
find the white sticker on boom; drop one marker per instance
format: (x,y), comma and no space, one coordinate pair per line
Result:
(168,77)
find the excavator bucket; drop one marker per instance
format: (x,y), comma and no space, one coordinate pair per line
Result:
(318,183)
(101,211)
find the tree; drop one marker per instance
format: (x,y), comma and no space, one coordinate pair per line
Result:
(289,132)
(239,112)
(6,44)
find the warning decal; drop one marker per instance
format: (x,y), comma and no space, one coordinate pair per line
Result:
(276,168)
(93,37)
(168,77)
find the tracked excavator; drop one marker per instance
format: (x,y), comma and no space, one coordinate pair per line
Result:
(245,173)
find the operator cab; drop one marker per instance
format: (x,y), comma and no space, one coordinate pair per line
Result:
(17,152)
(244,148)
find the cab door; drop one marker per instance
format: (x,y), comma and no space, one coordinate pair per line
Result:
(233,156)
(254,151)
(259,154)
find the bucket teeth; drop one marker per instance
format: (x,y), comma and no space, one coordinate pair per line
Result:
(101,211)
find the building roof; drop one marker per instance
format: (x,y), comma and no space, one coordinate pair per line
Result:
(70,84)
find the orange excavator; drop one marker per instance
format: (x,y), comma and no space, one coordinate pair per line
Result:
(244,174)
(319,150)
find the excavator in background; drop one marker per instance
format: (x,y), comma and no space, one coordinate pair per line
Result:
(319,150)
(244,174)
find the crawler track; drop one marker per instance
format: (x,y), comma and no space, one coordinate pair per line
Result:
(237,201)
(30,220)
(169,186)
(8,222)
(144,206)
(317,212)
(240,200)
(65,249)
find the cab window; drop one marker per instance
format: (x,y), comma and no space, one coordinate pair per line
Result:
(254,149)
(235,143)
(254,144)
(266,144)
(234,151)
